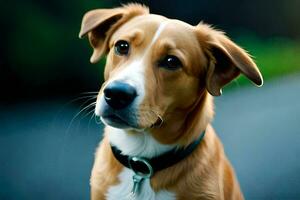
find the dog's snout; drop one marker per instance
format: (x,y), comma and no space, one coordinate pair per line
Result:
(119,95)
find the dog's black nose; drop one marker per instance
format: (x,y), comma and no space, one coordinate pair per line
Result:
(119,95)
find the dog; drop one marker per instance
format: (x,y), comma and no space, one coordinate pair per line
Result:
(157,105)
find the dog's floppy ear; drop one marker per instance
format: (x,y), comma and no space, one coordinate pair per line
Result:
(100,24)
(226,60)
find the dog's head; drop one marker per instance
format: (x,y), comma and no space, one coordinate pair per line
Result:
(158,67)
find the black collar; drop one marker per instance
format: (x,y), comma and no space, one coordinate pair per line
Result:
(149,167)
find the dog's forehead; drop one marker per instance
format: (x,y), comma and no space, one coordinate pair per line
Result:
(149,25)
(159,35)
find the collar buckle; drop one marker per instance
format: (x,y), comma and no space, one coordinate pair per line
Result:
(140,166)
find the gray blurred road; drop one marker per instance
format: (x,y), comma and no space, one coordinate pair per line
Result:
(260,129)
(40,158)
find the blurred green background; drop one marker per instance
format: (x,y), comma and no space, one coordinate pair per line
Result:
(42,57)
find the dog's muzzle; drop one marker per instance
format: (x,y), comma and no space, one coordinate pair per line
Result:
(117,108)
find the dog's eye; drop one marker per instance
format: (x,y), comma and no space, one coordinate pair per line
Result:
(170,62)
(122,47)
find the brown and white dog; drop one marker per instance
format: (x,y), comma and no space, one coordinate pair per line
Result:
(160,77)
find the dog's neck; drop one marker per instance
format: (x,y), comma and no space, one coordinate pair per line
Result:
(136,144)
(185,128)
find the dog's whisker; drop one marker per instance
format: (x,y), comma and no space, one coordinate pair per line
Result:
(83,109)
(83,104)
(89,97)
(89,93)
(90,121)
(83,97)
(77,99)
(89,112)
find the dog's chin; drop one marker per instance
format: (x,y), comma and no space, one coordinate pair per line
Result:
(117,122)
(120,123)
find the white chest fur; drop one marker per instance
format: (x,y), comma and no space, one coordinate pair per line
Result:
(123,190)
(139,144)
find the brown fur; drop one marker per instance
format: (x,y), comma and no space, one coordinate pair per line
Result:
(182,98)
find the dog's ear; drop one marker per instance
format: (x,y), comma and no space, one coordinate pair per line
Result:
(226,60)
(100,24)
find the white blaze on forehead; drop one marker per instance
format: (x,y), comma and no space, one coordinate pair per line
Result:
(156,35)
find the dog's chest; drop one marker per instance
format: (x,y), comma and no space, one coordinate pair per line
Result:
(123,189)
(143,145)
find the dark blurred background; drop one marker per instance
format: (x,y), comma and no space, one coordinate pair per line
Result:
(47,144)
(41,54)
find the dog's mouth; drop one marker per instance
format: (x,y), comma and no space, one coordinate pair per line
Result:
(114,118)
(129,118)
(116,121)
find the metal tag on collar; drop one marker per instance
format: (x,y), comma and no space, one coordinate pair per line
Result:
(139,174)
